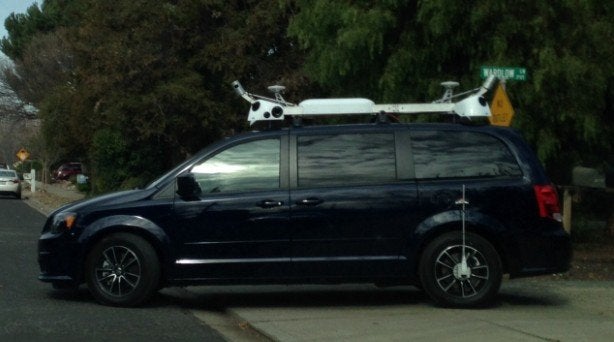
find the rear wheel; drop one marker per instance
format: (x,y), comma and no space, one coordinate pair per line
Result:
(122,270)
(449,281)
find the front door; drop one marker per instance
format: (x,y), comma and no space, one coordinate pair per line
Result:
(238,227)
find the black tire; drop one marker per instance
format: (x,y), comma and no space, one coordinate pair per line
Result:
(18,195)
(122,270)
(442,276)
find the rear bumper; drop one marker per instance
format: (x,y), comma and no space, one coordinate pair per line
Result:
(547,252)
(10,190)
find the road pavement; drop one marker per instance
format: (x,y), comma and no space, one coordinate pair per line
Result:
(33,311)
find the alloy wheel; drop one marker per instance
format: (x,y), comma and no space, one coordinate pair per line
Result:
(450,277)
(118,271)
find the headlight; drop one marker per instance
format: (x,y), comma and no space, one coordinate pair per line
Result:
(63,222)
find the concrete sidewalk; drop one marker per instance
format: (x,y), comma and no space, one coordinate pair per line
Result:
(526,310)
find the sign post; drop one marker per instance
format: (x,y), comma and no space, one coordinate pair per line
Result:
(23,154)
(33,180)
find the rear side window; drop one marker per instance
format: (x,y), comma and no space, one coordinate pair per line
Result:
(451,154)
(345,159)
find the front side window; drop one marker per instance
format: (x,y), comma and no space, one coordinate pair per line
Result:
(451,154)
(250,166)
(345,159)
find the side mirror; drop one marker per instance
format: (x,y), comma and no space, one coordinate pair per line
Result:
(187,187)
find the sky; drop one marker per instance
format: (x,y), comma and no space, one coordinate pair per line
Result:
(9,6)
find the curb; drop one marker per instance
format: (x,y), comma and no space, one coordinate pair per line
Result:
(30,200)
(35,202)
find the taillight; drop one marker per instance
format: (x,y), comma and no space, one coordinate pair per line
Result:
(16,181)
(548,202)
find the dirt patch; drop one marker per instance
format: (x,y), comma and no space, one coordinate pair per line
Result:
(43,201)
(594,261)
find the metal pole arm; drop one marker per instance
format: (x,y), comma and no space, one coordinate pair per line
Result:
(267,109)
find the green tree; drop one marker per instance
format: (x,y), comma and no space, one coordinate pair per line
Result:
(23,27)
(157,73)
(108,154)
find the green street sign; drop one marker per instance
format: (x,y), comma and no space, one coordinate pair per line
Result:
(507,73)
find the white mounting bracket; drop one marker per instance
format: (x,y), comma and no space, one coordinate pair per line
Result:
(269,109)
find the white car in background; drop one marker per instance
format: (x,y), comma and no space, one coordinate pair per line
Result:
(10,183)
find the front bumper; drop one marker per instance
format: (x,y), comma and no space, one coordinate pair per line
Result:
(60,260)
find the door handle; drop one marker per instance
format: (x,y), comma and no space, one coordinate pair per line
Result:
(311,201)
(269,204)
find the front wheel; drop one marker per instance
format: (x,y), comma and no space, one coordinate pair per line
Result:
(450,281)
(122,270)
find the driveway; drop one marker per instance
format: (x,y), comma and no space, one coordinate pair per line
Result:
(526,310)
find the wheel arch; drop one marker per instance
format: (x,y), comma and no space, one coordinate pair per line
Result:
(135,225)
(478,223)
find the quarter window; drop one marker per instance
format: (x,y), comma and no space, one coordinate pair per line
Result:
(246,167)
(345,159)
(447,154)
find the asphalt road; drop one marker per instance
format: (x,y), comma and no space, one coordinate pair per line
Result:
(33,311)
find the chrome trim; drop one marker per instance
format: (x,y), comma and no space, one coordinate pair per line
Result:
(302,259)
(228,261)
(348,258)
(231,242)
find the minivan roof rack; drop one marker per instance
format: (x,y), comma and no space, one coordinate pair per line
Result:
(271,109)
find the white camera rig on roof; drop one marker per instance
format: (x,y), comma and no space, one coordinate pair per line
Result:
(269,109)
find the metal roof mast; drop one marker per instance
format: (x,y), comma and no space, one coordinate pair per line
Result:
(271,109)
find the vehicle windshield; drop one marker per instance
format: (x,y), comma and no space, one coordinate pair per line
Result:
(162,179)
(173,172)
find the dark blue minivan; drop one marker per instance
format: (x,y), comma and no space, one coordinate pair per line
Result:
(446,207)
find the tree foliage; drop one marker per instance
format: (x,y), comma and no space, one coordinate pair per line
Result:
(23,27)
(151,78)
(400,51)
(155,73)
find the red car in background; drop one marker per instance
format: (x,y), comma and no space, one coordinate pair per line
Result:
(64,171)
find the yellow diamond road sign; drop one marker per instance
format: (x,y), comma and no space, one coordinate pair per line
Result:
(501,111)
(23,154)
